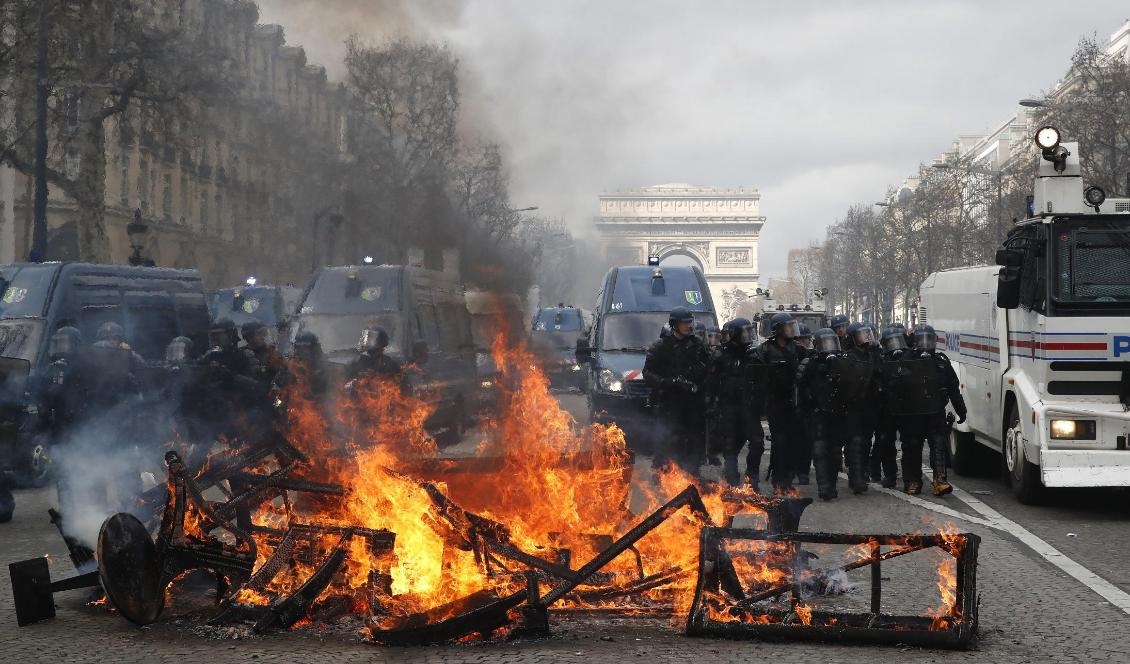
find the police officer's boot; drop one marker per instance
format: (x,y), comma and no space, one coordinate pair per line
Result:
(938,464)
(825,469)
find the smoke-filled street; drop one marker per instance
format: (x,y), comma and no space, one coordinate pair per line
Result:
(516,330)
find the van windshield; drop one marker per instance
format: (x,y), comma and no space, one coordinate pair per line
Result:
(631,331)
(19,338)
(638,290)
(338,334)
(24,290)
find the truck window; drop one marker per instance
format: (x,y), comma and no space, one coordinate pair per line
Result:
(1090,260)
(429,327)
(1033,270)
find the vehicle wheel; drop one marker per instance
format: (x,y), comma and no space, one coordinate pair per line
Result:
(36,469)
(966,454)
(7,504)
(1023,475)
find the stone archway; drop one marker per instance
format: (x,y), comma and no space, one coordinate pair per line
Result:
(716,229)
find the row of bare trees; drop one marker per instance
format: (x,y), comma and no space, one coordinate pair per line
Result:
(875,257)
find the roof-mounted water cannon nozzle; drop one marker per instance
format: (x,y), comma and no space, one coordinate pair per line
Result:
(1047,138)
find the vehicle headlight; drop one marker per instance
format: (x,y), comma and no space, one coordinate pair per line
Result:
(610,381)
(1073,429)
(574,367)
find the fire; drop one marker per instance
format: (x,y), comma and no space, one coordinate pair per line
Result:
(947,577)
(804,612)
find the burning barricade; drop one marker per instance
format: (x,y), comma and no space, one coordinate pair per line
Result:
(359,515)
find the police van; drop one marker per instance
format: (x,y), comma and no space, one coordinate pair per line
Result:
(425,315)
(1041,341)
(270,305)
(632,307)
(812,314)
(153,306)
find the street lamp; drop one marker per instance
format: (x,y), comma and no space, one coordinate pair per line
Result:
(136,230)
(1033,103)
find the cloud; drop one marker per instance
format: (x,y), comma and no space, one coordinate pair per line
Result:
(818,104)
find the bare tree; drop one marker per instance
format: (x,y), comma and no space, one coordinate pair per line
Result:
(480,185)
(107,57)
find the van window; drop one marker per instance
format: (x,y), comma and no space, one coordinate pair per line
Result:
(93,317)
(151,328)
(371,290)
(23,290)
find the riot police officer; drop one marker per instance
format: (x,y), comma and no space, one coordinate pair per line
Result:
(371,358)
(804,336)
(309,362)
(257,341)
(920,383)
(774,364)
(225,353)
(839,325)
(675,369)
(739,414)
(884,454)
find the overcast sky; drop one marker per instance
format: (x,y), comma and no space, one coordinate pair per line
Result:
(817,104)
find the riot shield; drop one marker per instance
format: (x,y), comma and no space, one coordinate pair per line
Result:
(912,386)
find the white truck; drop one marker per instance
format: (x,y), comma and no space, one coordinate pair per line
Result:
(1041,341)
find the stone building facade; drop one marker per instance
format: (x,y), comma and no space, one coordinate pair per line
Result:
(250,190)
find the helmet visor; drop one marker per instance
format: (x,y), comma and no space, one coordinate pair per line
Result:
(925,340)
(894,342)
(746,334)
(789,330)
(220,337)
(371,340)
(176,352)
(864,336)
(62,344)
(828,343)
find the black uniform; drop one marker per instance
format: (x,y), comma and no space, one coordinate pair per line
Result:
(884,453)
(739,413)
(373,363)
(918,384)
(775,366)
(675,369)
(838,386)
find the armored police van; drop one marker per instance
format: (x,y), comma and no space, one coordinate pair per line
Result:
(257,302)
(553,340)
(153,305)
(425,315)
(632,307)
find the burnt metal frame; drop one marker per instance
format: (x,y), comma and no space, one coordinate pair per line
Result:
(957,630)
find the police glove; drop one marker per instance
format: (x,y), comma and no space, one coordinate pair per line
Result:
(961,417)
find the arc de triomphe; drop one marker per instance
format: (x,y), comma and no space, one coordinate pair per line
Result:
(717,229)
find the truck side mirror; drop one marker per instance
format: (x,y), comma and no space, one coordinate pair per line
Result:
(420,352)
(584,351)
(1008,287)
(1009,257)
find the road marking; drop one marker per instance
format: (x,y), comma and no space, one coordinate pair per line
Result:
(994,519)
(926,504)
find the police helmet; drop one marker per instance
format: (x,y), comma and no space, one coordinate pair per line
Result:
(861,334)
(179,350)
(65,341)
(804,335)
(713,336)
(372,338)
(110,332)
(250,329)
(741,331)
(306,346)
(925,338)
(893,339)
(839,320)
(825,340)
(783,325)
(223,334)
(680,315)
